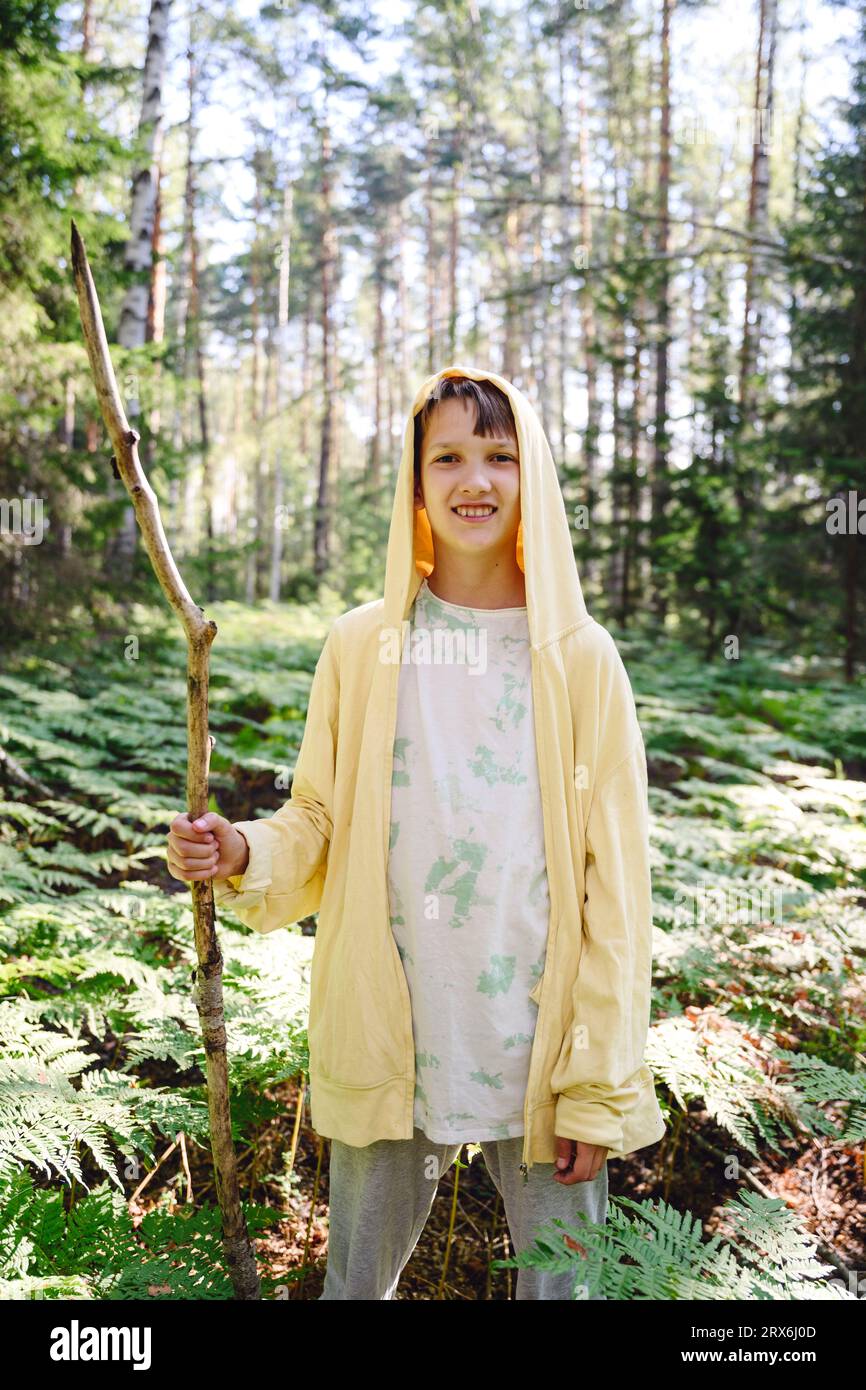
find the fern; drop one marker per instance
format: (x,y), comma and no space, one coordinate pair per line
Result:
(94,1252)
(27,816)
(661,1254)
(728,1069)
(87,817)
(44,1118)
(817,1082)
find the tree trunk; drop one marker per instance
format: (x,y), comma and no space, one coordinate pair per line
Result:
(282,390)
(541,334)
(138,255)
(660,465)
(322,530)
(156,321)
(374,461)
(194,320)
(430,265)
(757,222)
(454,260)
(587,308)
(566,250)
(258,389)
(512,262)
(402,332)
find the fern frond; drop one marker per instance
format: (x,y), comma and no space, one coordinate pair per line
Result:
(650,1251)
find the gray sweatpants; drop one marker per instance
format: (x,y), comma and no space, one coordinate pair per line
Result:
(382,1194)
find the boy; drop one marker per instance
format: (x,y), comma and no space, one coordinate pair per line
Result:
(469,818)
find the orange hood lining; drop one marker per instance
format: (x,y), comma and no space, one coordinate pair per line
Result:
(423,543)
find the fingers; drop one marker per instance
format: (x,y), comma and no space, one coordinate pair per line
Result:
(564,1156)
(182,828)
(583,1161)
(193,848)
(192,855)
(191,870)
(586,1169)
(210,821)
(567,1178)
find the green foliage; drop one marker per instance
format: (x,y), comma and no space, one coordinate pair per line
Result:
(45,1118)
(648,1250)
(93,1251)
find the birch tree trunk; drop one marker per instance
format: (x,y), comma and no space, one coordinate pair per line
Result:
(138,255)
(193,345)
(156,321)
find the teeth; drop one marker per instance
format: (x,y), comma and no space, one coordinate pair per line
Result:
(475,511)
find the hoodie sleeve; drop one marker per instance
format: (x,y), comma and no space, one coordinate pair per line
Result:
(284,878)
(600,1076)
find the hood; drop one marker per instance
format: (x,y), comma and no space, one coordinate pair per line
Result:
(554,599)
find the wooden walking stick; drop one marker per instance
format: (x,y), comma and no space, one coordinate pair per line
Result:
(200,632)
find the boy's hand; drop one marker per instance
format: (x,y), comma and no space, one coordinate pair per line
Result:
(576,1161)
(209,847)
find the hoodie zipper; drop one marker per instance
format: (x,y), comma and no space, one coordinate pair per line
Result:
(394,694)
(551,933)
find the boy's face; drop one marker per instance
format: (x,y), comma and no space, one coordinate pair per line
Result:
(460,469)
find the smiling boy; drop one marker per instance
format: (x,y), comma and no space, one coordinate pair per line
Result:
(475,840)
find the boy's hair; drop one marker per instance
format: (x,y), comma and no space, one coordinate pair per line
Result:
(493,413)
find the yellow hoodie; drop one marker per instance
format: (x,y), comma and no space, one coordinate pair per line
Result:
(326,849)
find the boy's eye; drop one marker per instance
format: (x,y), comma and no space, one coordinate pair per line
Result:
(509,458)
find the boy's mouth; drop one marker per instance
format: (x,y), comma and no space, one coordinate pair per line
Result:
(482,511)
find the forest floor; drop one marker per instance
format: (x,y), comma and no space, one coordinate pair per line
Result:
(823,1182)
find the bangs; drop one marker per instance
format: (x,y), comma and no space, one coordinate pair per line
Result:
(493,413)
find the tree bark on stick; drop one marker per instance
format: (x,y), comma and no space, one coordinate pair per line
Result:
(200,633)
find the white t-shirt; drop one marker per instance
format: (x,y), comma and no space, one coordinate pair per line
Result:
(467,872)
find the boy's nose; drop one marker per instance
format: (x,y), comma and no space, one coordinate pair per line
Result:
(476,483)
